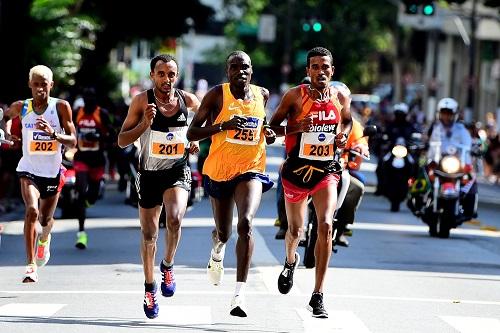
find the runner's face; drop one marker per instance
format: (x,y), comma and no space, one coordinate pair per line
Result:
(239,70)
(40,87)
(164,76)
(446,117)
(320,71)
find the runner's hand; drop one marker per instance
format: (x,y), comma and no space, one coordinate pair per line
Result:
(269,134)
(43,125)
(341,140)
(237,122)
(306,124)
(149,114)
(194,148)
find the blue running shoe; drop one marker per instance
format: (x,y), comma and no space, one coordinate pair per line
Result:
(168,280)
(151,307)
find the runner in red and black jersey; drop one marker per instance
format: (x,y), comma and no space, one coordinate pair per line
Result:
(318,122)
(94,132)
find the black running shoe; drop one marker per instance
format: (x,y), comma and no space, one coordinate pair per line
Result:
(316,306)
(285,280)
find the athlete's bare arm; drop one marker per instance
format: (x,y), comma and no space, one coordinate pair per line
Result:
(137,121)
(289,108)
(207,113)
(66,116)
(192,102)
(345,114)
(12,112)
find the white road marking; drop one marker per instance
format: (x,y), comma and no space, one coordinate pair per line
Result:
(337,321)
(184,315)
(250,292)
(473,324)
(421,229)
(30,309)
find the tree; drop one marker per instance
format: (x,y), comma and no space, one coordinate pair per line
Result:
(356,32)
(75,37)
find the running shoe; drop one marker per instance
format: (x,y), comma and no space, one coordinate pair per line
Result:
(43,252)
(285,280)
(215,270)
(168,280)
(238,308)
(316,306)
(151,307)
(81,240)
(30,274)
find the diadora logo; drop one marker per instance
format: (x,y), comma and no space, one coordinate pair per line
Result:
(87,123)
(325,115)
(321,137)
(252,122)
(182,117)
(169,136)
(41,136)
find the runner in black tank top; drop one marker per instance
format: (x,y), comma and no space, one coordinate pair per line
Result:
(158,118)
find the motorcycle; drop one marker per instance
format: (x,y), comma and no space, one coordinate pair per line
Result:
(310,234)
(438,193)
(398,165)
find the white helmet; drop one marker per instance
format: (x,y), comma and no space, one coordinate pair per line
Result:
(401,107)
(341,87)
(448,103)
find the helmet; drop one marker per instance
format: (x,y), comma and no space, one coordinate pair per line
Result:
(401,107)
(449,104)
(341,87)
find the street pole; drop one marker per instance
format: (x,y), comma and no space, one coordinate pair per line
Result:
(468,114)
(286,67)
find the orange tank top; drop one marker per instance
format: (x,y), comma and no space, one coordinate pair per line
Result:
(235,152)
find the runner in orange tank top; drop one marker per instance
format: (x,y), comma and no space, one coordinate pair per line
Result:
(318,121)
(235,120)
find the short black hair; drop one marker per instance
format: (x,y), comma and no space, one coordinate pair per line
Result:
(319,51)
(162,57)
(237,53)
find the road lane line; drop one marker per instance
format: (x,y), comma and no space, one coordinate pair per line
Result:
(337,321)
(183,315)
(249,292)
(473,324)
(420,229)
(30,309)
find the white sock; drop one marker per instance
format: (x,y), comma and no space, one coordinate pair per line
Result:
(240,288)
(218,251)
(168,264)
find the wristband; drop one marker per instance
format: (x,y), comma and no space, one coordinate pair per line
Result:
(220,127)
(285,129)
(53,136)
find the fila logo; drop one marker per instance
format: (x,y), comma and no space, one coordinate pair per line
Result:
(182,117)
(323,115)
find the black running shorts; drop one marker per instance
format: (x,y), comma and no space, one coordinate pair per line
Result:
(151,185)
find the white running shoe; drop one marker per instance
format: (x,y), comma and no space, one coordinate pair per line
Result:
(42,252)
(215,270)
(238,306)
(30,274)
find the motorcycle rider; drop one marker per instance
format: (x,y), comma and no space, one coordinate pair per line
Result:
(400,127)
(451,132)
(94,131)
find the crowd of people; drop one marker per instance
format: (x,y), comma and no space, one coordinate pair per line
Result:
(315,119)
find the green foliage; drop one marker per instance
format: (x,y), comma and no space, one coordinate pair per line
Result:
(66,34)
(356,31)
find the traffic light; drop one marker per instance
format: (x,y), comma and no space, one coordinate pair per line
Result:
(424,7)
(312,24)
(411,7)
(428,8)
(317,26)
